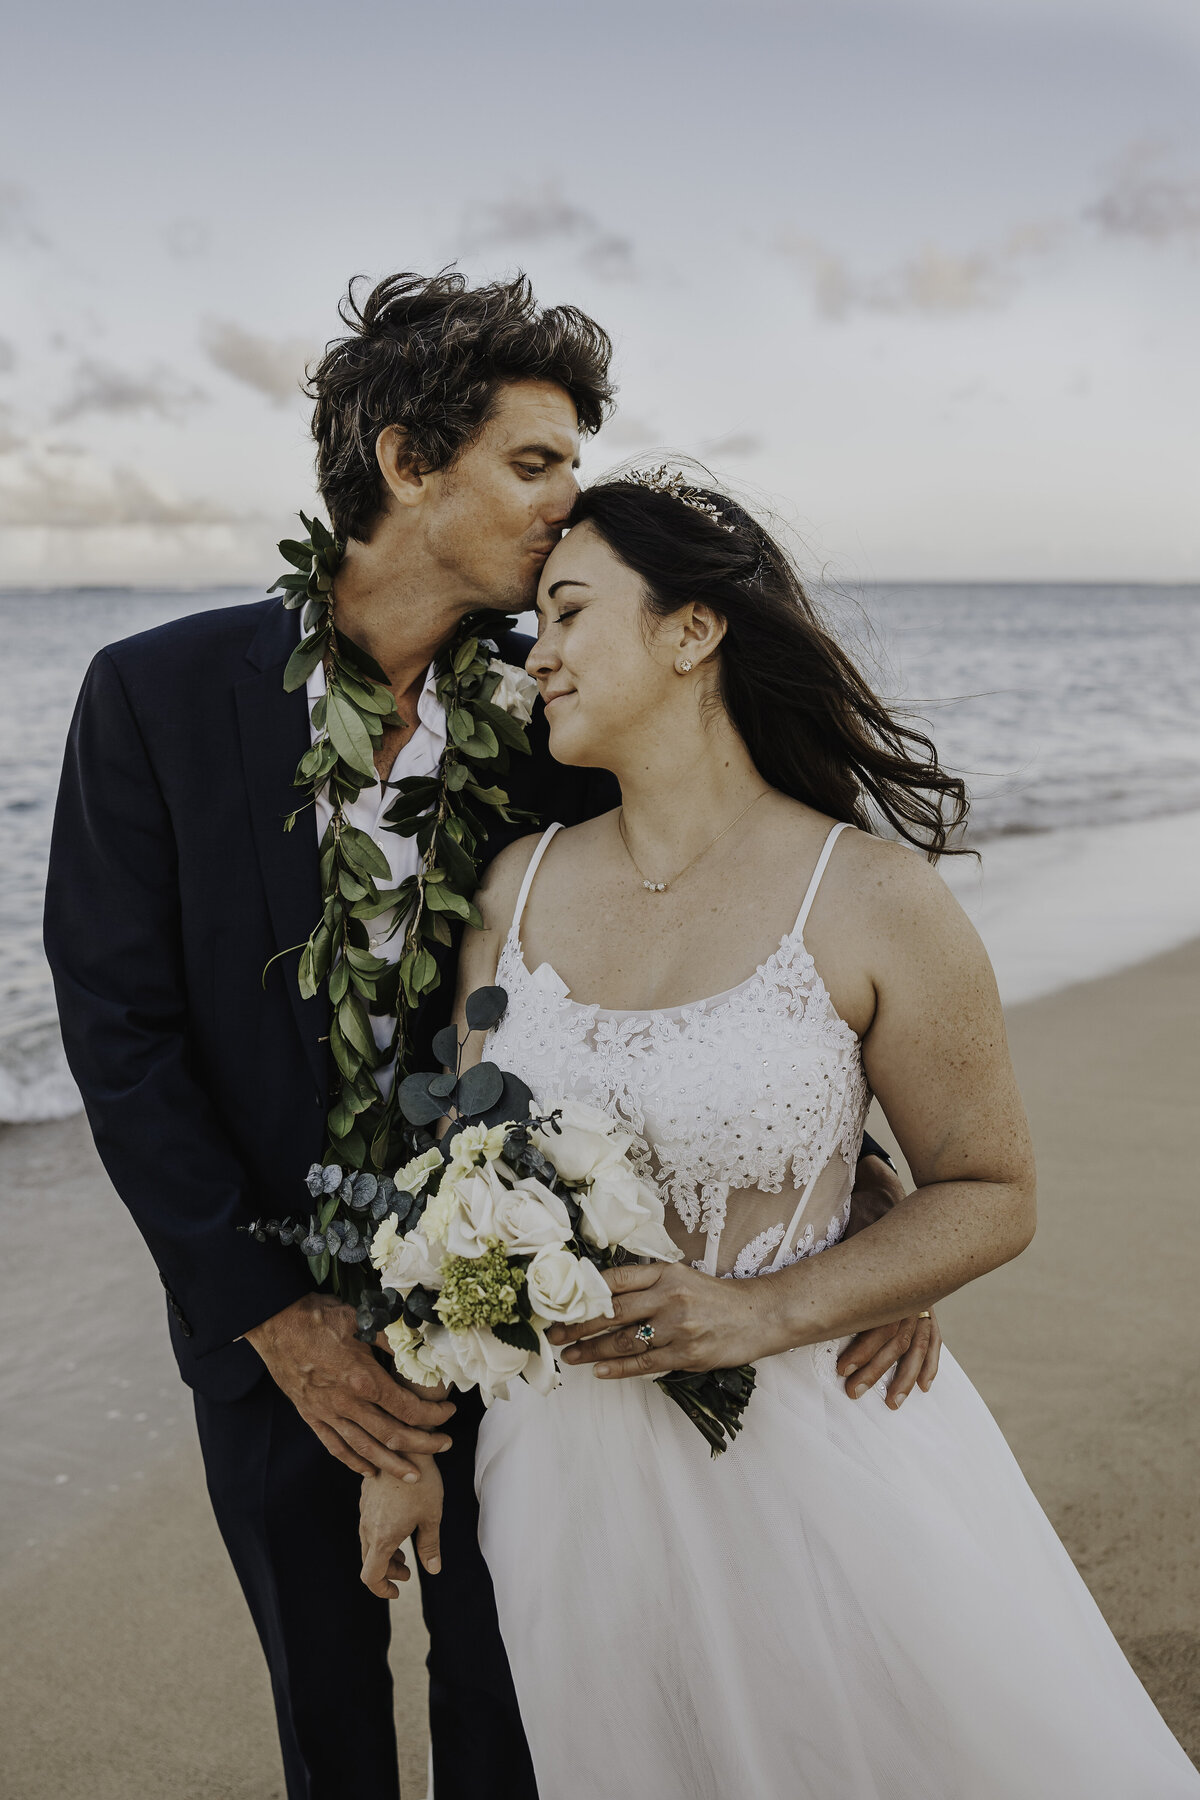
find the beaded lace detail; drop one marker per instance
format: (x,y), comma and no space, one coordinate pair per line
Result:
(750,1089)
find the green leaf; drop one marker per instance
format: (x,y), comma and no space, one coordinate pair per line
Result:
(344,1054)
(445,900)
(504,725)
(350,887)
(484,745)
(350,737)
(363,853)
(479,1088)
(486,1007)
(299,555)
(459,867)
(457,776)
(339,981)
(307,979)
(373,699)
(355,1029)
(365,962)
(360,659)
(465,655)
(491,796)
(520,1336)
(460,725)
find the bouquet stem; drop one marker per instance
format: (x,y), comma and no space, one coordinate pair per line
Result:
(714,1400)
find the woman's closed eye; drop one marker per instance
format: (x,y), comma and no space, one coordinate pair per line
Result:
(568,614)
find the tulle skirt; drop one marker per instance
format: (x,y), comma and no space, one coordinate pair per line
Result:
(850,1604)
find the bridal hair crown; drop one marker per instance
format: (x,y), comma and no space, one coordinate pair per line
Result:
(663,481)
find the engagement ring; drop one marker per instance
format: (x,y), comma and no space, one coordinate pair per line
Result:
(645,1332)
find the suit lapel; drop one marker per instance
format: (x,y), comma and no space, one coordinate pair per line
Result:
(274,731)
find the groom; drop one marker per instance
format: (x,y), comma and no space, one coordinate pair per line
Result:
(447,423)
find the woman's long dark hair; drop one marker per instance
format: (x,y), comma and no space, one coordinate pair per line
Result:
(812,725)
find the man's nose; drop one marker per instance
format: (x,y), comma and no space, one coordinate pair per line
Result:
(563,498)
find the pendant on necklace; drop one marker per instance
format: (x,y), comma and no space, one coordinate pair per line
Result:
(655,887)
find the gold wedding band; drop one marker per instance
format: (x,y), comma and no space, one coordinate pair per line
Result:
(925,1315)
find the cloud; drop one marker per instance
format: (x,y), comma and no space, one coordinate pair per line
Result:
(546,216)
(186,238)
(734,443)
(1143,201)
(17,225)
(9,439)
(272,366)
(932,282)
(627,431)
(103,388)
(62,499)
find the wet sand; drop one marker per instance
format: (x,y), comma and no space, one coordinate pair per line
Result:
(128,1666)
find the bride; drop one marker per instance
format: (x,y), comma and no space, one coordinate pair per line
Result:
(847,1605)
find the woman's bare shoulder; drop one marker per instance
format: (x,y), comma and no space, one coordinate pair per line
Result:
(892,888)
(501,883)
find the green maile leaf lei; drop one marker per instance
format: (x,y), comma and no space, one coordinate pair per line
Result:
(443,812)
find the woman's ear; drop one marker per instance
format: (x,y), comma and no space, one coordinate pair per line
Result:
(700,631)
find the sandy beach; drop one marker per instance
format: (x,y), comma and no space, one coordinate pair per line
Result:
(128,1668)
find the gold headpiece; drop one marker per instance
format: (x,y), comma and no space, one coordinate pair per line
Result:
(662,481)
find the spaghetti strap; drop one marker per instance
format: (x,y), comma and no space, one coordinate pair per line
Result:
(814,884)
(514,930)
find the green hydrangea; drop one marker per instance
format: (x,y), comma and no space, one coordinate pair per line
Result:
(479,1290)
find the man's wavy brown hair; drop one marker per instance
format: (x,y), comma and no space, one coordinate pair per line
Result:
(430,354)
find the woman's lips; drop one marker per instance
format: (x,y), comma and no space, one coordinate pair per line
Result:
(563,694)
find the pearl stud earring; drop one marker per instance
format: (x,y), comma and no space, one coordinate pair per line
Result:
(682,668)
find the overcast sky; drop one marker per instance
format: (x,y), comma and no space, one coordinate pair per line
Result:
(924,274)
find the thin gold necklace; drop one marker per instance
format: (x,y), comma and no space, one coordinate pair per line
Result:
(660,887)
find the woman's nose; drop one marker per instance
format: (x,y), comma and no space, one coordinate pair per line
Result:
(540,661)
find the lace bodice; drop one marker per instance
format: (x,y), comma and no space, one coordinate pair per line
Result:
(758,1088)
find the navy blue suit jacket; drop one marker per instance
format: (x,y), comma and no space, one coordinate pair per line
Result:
(172,884)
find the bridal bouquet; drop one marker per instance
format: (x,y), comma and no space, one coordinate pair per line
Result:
(497,1231)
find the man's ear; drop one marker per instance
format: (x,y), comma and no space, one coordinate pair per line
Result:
(406,481)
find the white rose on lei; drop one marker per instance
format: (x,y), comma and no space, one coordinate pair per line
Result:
(587,1140)
(415,1361)
(477,1358)
(620,1208)
(563,1289)
(404,1262)
(516,691)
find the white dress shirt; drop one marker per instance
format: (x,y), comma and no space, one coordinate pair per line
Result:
(420,756)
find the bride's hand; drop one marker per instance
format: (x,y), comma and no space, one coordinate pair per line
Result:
(390,1511)
(699,1322)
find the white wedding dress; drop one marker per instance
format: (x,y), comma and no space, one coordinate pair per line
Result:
(850,1604)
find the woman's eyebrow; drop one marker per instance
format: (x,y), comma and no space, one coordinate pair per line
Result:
(555,585)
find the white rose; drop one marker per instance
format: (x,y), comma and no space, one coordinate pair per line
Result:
(405,1262)
(621,1209)
(516,692)
(412,1177)
(477,1143)
(415,1361)
(524,1218)
(587,1140)
(565,1289)
(477,1358)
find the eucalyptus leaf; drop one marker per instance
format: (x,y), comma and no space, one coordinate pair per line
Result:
(479,1088)
(442,1086)
(486,1007)
(416,1103)
(445,1047)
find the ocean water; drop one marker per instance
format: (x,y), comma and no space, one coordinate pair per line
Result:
(1066,707)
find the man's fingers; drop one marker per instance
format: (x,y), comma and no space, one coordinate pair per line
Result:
(381,1563)
(428,1546)
(907,1369)
(379,1459)
(932,1357)
(338,1447)
(861,1349)
(864,1379)
(403,1440)
(409,1408)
